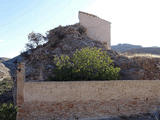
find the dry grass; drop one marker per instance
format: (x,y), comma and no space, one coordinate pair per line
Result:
(142,55)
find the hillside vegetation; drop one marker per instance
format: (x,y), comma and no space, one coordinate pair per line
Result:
(6,86)
(66,40)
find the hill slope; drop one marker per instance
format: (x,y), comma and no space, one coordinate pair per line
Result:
(124,47)
(129,49)
(4,72)
(3,59)
(146,50)
(66,40)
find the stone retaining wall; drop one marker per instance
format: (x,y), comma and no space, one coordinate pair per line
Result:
(82,99)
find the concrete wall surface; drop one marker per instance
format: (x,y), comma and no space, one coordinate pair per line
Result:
(89,90)
(97,28)
(67,100)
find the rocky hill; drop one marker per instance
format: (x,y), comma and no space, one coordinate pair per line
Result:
(3,59)
(124,47)
(4,72)
(146,50)
(8,67)
(129,49)
(6,83)
(65,40)
(61,40)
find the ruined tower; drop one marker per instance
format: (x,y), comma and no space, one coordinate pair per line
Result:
(97,28)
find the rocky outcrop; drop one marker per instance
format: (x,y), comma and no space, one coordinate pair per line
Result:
(136,68)
(61,40)
(139,68)
(65,40)
(129,49)
(125,47)
(145,50)
(4,72)
(3,59)
(8,75)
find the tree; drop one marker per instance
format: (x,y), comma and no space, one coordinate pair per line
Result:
(35,39)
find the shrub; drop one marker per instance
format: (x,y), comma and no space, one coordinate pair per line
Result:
(85,64)
(60,33)
(8,112)
(82,30)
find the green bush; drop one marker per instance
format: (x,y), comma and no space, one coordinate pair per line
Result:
(85,64)
(8,112)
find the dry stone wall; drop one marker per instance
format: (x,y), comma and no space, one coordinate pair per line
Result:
(68,100)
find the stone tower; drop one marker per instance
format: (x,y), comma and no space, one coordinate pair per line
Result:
(97,28)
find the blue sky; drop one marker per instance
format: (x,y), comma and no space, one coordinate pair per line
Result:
(133,21)
(20,17)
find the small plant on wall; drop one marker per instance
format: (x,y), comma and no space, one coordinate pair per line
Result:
(85,64)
